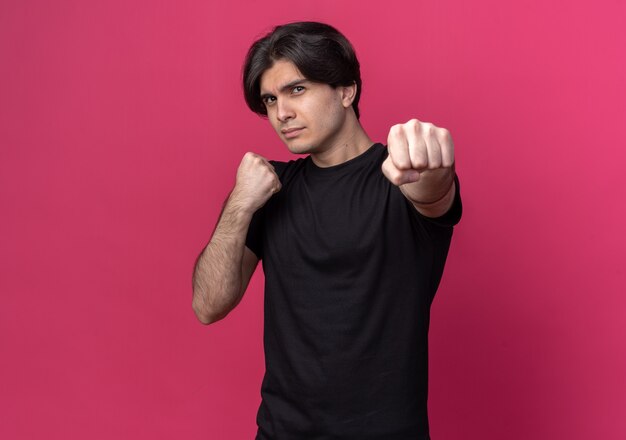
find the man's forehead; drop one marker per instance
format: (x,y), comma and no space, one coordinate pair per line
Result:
(282,74)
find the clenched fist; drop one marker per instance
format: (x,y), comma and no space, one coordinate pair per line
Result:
(256,182)
(415,147)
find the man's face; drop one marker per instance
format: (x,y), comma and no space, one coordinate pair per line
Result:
(309,117)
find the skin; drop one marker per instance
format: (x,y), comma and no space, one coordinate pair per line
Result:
(420,163)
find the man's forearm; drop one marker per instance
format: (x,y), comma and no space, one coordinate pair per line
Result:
(433,194)
(217,274)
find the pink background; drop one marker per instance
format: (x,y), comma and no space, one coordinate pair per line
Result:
(122,125)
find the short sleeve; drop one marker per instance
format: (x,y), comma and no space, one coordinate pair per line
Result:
(454,214)
(254,238)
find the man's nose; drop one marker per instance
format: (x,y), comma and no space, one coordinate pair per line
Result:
(284,110)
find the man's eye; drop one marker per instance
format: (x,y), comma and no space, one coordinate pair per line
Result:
(298,89)
(269,100)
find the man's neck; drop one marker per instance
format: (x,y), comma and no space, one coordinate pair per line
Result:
(351,145)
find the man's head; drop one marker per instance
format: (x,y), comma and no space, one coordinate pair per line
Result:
(320,52)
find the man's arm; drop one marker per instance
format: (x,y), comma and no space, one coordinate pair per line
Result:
(433,194)
(225,266)
(223,269)
(421,164)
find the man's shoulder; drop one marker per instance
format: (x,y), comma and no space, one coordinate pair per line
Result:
(288,168)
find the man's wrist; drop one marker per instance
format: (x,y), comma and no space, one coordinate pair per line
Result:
(239,205)
(445,194)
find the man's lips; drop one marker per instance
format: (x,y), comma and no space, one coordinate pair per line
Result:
(291,132)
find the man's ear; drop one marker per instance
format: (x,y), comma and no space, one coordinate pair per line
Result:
(348,93)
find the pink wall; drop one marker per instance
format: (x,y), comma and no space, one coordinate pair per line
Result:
(121,127)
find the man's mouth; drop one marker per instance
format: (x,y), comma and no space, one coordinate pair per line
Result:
(291,132)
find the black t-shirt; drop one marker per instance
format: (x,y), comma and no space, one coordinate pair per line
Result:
(351,269)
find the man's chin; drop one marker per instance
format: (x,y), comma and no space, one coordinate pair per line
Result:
(296,148)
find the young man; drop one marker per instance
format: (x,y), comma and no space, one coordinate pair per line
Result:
(353,240)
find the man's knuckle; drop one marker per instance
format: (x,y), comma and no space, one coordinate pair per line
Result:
(395,131)
(397,176)
(420,162)
(434,164)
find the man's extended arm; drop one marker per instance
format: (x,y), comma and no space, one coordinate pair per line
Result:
(224,267)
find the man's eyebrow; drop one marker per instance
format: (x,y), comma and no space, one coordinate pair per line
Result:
(287,86)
